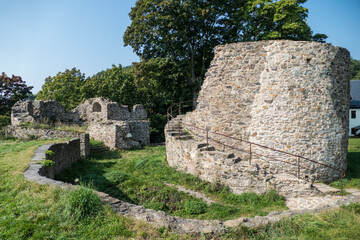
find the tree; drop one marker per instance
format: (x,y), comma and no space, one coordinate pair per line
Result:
(188,30)
(160,82)
(116,84)
(11,90)
(354,69)
(65,88)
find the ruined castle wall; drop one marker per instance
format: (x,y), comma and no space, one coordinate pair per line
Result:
(288,95)
(140,131)
(33,133)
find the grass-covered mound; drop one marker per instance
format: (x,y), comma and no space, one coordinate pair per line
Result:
(140,177)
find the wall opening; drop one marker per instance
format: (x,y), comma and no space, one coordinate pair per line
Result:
(96,107)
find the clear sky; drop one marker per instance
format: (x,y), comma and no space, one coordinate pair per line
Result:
(40,38)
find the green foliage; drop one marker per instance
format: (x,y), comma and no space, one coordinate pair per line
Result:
(47,163)
(140,177)
(352,176)
(160,82)
(11,90)
(65,88)
(116,177)
(4,120)
(187,31)
(194,207)
(116,84)
(49,152)
(355,207)
(354,69)
(82,203)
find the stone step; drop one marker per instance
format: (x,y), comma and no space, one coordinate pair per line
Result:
(223,154)
(207,149)
(325,188)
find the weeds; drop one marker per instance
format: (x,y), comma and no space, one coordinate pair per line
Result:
(81,203)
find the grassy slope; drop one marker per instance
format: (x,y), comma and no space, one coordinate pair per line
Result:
(31,211)
(139,177)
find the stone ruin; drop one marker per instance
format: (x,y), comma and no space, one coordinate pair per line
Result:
(107,121)
(291,96)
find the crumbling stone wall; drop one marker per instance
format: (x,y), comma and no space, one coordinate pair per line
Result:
(288,95)
(28,133)
(108,121)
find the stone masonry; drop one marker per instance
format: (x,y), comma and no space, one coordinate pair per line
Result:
(107,121)
(292,96)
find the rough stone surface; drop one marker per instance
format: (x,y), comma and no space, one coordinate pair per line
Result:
(109,122)
(292,96)
(26,133)
(160,219)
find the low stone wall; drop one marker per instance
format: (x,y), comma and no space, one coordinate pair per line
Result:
(22,132)
(64,154)
(213,165)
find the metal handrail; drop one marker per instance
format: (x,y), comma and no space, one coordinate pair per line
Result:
(170,116)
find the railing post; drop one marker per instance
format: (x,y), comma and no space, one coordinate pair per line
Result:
(207,140)
(179,108)
(298,165)
(342,177)
(250,156)
(179,128)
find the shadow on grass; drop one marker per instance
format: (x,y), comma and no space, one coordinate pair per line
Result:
(91,171)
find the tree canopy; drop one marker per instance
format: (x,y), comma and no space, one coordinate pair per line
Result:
(188,30)
(354,69)
(12,90)
(65,88)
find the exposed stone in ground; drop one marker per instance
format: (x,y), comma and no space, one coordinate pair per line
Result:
(192,193)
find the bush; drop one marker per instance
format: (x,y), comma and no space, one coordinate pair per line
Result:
(82,203)
(4,120)
(194,207)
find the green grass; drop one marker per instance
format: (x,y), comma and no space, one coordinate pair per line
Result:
(61,127)
(140,177)
(32,211)
(352,177)
(343,223)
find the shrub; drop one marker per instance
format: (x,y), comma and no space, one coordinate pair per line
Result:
(82,203)
(4,120)
(194,207)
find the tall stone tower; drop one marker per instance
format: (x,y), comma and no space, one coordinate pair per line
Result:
(292,96)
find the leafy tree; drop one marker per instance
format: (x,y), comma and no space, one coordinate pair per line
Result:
(116,84)
(160,82)
(65,88)
(354,69)
(188,30)
(11,90)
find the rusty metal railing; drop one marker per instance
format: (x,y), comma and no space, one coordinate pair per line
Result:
(184,106)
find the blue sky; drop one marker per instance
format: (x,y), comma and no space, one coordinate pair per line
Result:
(39,38)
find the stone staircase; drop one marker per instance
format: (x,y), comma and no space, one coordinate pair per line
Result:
(214,165)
